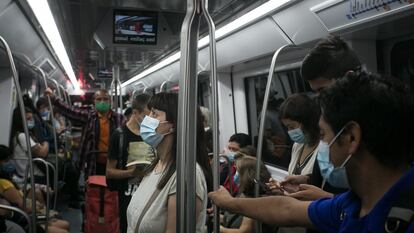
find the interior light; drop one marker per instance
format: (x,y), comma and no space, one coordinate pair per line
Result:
(44,15)
(238,23)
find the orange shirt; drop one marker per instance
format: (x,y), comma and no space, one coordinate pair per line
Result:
(103,143)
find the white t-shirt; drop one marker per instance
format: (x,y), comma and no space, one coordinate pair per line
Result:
(155,219)
(296,151)
(20,158)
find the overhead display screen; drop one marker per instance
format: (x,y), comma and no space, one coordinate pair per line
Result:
(135,27)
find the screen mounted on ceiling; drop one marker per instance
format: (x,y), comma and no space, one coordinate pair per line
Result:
(135,27)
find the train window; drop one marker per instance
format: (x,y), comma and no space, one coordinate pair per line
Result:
(402,61)
(277,144)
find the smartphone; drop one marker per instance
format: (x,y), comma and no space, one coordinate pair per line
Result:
(262,185)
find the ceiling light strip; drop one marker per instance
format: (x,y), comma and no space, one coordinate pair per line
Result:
(44,15)
(238,23)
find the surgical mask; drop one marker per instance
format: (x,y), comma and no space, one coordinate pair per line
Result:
(336,177)
(7,168)
(297,135)
(102,107)
(30,124)
(45,115)
(231,155)
(148,131)
(236,178)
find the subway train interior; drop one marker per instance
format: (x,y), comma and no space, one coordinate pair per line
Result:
(236,58)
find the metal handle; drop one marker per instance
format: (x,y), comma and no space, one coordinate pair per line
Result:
(14,209)
(56,85)
(47,189)
(26,130)
(186,125)
(55,186)
(262,122)
(117,97)
(215,117)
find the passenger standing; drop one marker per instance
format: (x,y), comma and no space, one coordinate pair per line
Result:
(131,149)
(99,123)
(329,60)
(366,140)
(154,202)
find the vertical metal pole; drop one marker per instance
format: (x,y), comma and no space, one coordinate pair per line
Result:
(262,122)
(187,121)
(26,130)
(56,159)
(52,117)
(47,189)
(215,117)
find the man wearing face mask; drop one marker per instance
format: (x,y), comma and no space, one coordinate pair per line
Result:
(128,148)
(98,124)
(363,149)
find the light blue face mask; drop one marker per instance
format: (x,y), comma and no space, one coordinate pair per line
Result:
(231,155)
(148,131)
(297,135)
(30,124)
(45,115)
(336,177)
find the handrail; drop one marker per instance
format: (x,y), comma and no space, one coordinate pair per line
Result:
(15,209)
(57,86)
(262,123)
(117,96)
(52,116)
(186,125)
(47,189)
(26,130)
(163,84)
(215,117)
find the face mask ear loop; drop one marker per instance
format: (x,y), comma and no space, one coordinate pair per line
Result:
(346,160)
(336,136)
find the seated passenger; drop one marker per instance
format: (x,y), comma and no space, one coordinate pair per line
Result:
(246,168)
(366,140)
(160,183)
(19,146)
(15,196)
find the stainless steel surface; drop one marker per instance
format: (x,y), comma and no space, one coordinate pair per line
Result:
(187,121)
(47,185)
(262,123)
(57,86)
(24,214)
(26,130)
(215,118)
(52,116)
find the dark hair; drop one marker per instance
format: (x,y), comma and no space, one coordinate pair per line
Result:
(168,103)
(247,150)
(383,108)
(247,171)
(140,102)
(28,103)
(41,102)
(5,153)
(303,109)
(106,92)
(128,111)
(17,125)
(241,138)
(331,58)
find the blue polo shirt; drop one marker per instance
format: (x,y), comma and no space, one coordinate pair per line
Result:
(341,213)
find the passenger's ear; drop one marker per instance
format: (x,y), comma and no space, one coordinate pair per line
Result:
(353,136)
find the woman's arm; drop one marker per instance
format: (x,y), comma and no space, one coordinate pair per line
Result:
(171,212)
(247,226)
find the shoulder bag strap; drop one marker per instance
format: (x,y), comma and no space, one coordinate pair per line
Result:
(146,207)
(121,148)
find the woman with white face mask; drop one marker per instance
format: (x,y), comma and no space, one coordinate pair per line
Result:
(152,208)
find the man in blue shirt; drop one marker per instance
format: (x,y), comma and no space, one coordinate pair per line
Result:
(366,139)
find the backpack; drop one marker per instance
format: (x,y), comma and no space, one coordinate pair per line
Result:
(401,214)
(101,207)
